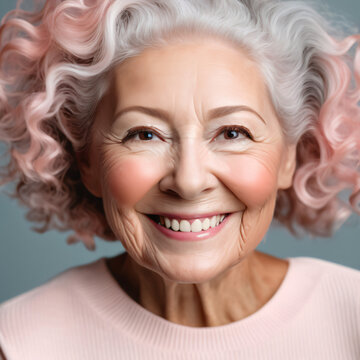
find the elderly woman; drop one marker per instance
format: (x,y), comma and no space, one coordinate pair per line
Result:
(181,128)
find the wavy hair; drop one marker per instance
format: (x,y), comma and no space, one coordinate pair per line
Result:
(55,62)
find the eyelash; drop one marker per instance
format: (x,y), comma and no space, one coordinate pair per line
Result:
(133,132)
(241,129)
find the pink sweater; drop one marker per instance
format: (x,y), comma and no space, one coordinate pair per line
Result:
(83,314)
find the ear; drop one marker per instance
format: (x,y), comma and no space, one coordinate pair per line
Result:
(90,175)
(288,166)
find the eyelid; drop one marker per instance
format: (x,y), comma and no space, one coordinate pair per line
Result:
(138,129)
(244,130)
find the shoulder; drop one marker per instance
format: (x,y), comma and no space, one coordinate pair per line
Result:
(329,305)
(326,267)
(48,310)
(57,288)
(339,284)
(327,270)
(61,289)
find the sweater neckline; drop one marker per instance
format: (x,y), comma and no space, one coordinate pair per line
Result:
(130,319)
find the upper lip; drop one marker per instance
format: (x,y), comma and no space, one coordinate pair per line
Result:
(189,216)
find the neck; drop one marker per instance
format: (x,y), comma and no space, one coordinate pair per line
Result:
(231,296)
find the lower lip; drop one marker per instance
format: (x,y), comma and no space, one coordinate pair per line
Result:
(190,236)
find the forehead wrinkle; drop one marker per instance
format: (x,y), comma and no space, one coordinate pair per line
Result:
(189,117)
(200,113)
(192,114)
(193,75)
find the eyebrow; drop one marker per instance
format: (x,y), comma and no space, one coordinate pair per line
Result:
(212,114)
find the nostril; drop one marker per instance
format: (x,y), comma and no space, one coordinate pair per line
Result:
(173,193)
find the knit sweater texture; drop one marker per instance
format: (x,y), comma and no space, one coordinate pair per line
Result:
(83,314)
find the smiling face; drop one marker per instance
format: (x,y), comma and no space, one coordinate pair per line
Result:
(185,160)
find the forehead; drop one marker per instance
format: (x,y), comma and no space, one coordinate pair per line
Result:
(207,73)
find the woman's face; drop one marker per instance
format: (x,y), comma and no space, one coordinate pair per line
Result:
(188,132)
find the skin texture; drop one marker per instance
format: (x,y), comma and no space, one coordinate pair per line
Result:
(191,165)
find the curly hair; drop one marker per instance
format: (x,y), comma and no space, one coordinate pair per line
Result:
(55,63)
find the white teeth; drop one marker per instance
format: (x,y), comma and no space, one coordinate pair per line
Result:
(196,226)
(217,220)
(185,226)
(175,225)
(206,224)
(167,222)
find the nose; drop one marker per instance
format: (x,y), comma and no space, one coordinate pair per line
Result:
(190,173)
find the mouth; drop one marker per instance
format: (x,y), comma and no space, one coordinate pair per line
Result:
(188,225)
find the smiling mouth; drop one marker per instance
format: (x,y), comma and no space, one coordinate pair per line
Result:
(181,225)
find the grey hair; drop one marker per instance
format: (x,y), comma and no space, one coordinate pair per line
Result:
(80,42)
(288,40)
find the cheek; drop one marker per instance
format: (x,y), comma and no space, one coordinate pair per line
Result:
(130,180)
(252,182)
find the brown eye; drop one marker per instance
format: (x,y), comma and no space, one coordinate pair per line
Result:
(145,135)
(231,134)
(235,132)
(140,134)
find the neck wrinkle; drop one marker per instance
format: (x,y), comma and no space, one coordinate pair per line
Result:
(229,297)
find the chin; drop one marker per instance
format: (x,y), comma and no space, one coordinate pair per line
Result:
(190,271)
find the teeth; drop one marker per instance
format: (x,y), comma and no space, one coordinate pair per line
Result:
(185,226)
(196,226)
(206,224)
(175,225)
(167,221)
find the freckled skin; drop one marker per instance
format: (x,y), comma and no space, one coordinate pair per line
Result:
(191,173)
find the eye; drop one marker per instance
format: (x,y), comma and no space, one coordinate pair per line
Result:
(141,134)
(234,133)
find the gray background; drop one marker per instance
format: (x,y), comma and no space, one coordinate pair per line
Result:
(28,259)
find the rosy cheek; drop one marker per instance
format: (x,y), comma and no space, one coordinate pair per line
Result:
(250,180)
(130,180)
